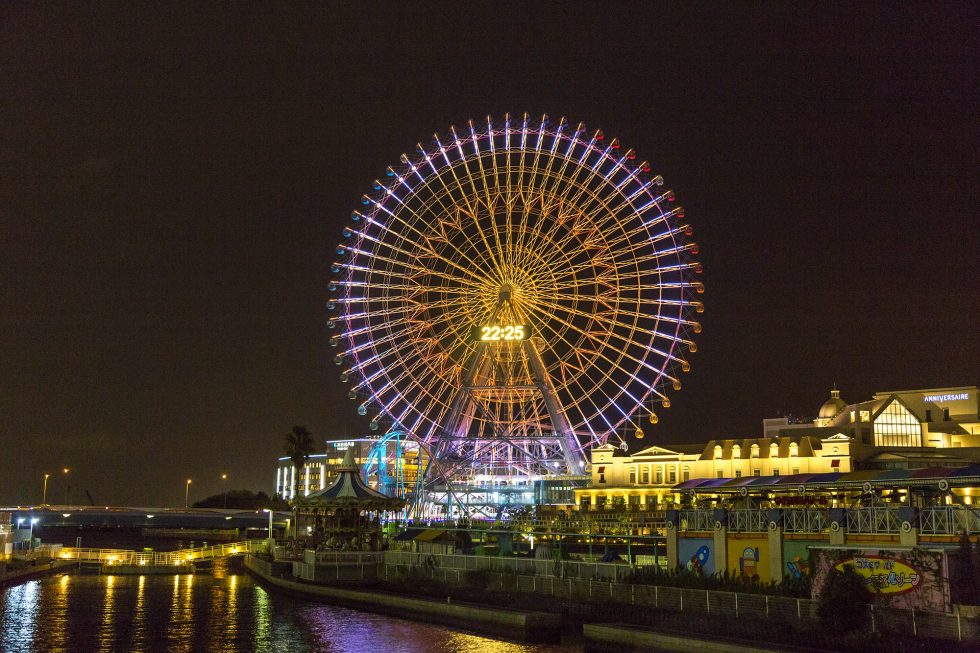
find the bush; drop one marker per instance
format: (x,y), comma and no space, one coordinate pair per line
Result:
(843,601)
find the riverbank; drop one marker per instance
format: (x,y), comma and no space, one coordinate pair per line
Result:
(527,626)
(14,576)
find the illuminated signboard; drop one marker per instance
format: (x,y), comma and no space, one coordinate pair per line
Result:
(938,399)
(503,332)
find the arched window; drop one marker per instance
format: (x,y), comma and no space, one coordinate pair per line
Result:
(774,450)
(794,450)
(754,451)
(717,451)
(736,451)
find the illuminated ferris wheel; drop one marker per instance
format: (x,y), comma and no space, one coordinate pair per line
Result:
(514,293)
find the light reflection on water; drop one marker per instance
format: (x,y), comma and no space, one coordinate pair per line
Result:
(224,612)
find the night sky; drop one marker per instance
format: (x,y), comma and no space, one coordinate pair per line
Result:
(173,182)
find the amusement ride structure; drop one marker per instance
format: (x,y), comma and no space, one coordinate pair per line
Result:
(507,297)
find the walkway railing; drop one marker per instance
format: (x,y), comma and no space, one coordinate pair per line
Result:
(949,520)
(747,521)
(805,520)
(161,558)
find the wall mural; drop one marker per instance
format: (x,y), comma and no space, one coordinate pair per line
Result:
(902,579)
(695,555)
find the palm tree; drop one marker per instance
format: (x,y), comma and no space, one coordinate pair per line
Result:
(299,445)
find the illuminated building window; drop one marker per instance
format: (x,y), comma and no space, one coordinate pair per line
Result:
(736,451)
(632,475)
(794,449)
(738,473)
(774,450)
(756,472)
(897,427)
(775,472)
(687,473)
(865,416)
(645,477)
(660,476)
(673,476)
(796,470)
(717,451)
(754,451)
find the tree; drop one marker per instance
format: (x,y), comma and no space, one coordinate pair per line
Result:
(965,579)
(298,446)
(843,602)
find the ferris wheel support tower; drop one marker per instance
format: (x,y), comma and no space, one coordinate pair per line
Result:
(539,454)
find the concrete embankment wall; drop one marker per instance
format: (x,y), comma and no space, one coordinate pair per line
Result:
(622,638)
(800,613)
(514,624)
(14,576)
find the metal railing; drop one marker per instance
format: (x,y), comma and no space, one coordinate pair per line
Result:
(342,557)
(873,520)
(696,520)
(160,558)
(949,520)
(747,521)
(805,520)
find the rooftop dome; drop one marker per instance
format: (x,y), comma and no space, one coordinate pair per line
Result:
(833,406)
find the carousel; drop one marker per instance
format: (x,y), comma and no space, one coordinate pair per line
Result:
(344,516)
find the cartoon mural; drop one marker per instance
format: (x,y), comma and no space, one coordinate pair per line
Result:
(905,579)
(694,554)
(796,557)
(746,559)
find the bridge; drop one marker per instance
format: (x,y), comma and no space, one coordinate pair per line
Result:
(125,557)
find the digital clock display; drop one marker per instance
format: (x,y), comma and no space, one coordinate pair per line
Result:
(503,332)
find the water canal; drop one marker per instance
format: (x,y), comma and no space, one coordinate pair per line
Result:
(221,612)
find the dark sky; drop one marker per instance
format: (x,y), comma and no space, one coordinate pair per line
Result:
(173,182)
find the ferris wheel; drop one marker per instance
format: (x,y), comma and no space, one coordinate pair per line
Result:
(514,293)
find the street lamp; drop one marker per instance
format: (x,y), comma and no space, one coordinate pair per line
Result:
(224,477)
(34,520)
(68,488)
(271,543)
(187,491)
(44,495)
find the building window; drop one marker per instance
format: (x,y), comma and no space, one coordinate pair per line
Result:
(673,476)
(632,475)
(721,474)
(754,451)
(775,472)
(897,427)
(738,473)
(645,477)
(794,450)
(687,473)
(865,416)
(585,502)
(634,499)
(796,470)
(756,472)
(736,451)
(774,450)
(717,451)
(600,500)
(660,476)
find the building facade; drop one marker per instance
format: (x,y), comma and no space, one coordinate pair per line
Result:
(909,429)
(320,468)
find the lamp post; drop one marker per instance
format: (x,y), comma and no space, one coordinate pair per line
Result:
(34,520)
(187,491)
(68,488)
(271,543)
(44,494)
(224,477)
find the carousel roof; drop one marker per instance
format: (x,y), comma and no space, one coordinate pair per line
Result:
(349,489)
